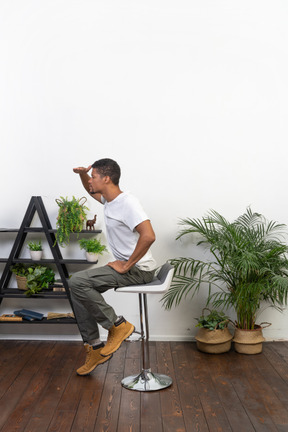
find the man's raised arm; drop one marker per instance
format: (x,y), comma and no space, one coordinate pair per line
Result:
(84,176)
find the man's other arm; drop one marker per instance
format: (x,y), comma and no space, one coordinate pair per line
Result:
(146,238)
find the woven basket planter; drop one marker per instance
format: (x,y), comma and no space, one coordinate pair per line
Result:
(21,283)
(213,341)
(249,341)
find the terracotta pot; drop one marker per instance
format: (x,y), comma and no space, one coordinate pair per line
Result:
(249,341)
(213,341)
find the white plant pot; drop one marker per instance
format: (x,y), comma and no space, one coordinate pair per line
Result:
(92,257)
(36,255)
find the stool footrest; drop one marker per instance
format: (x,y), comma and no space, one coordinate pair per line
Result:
(146,381)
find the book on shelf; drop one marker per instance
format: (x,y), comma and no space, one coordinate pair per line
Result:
(10,317)
(29,315)
(58,287)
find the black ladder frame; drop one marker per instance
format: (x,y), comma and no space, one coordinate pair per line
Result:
(36,205)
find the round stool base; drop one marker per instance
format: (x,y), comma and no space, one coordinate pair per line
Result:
(146,381)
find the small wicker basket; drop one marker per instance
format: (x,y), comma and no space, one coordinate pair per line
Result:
(249,341)
(21,283)
(213,341)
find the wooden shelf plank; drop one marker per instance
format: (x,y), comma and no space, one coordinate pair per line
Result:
(43,321)
(40,229)
(52,261)
(49,261)
(16,293)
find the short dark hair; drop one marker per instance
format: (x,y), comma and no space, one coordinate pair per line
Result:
(108,167)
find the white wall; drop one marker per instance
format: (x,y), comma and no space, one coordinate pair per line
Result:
(189,97)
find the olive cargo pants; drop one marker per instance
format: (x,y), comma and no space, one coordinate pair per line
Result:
(90,308)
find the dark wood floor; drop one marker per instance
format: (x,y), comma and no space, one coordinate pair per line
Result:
(39,390)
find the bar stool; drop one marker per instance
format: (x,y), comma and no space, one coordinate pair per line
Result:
(146,380)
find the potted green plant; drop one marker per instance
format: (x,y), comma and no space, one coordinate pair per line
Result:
(36,277)
(213,336)
(247,266)
(93,248)
(21,273)
(71,217)
(35,249)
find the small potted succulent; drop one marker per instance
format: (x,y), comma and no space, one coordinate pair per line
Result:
(93,248)
(213,336)
(36,250)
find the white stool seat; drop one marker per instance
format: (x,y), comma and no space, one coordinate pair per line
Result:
(159,285)
(147,380)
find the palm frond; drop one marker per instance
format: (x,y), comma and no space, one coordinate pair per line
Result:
(189,274)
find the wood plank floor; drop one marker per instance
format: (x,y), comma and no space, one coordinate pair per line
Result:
(40,391)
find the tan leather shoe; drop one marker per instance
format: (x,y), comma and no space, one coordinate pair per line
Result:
(93,359)
(116,335)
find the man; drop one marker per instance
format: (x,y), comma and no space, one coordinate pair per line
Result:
(130,235)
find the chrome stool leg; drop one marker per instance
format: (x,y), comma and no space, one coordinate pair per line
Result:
(146,380)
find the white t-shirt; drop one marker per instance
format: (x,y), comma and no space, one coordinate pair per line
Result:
(122,215)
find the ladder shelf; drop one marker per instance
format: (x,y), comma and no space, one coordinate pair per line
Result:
(36,205)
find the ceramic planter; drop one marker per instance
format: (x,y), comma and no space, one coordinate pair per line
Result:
(36,255)
(213,341)
(249,341)
(91,257)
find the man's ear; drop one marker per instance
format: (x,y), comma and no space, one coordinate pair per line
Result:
(107,179)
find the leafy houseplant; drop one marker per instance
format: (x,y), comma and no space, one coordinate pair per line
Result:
(71,217)
(19,270)
(35,249)
(92,247)
(213,335)
(37,277)
(248,265)
(35,246)
(215,320)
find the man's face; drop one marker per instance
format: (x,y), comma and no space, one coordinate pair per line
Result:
(97,182)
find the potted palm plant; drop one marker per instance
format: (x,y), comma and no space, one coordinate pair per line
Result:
(93,248)
(247,266)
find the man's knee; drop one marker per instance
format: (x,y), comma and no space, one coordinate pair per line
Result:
(76,281)
(99,279)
